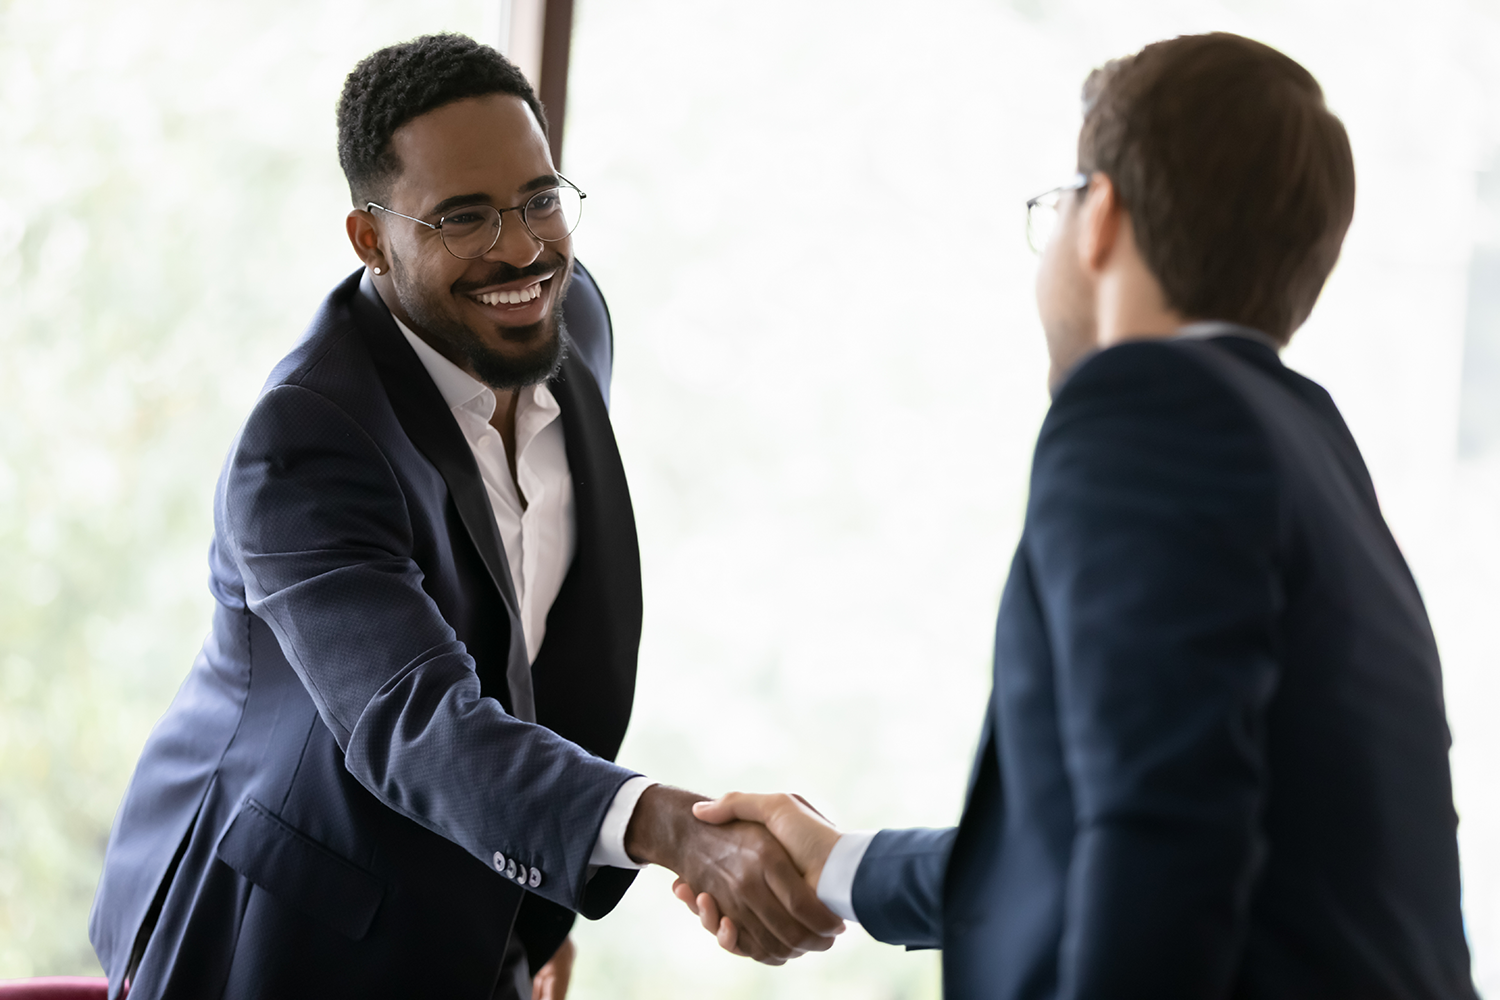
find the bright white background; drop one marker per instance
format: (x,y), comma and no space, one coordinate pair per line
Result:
(826,397)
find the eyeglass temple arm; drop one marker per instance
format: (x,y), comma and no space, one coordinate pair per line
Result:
(581,193)
(370,204)
(1078,183)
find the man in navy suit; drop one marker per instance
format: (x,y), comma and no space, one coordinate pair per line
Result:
(389,771)
(1215,759)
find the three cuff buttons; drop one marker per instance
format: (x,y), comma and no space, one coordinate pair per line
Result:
(523,875)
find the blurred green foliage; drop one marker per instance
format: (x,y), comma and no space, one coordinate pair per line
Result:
(170,213)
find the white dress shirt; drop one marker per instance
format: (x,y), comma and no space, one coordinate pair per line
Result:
(836,883)
(540,535)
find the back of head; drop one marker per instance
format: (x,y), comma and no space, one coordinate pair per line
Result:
(401,82)
(1238,179)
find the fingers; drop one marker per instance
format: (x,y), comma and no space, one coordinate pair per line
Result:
(684,892)
(805,833)
(551,981)
(729,937)
(752,862)
(735,805)
(708,912)
(801,901)
(813,809)
(768,897)
(700,903)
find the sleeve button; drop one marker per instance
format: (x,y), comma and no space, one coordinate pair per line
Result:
(536,877)
(499,862)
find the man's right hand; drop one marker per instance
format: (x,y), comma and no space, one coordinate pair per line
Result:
(776,915)
(805,833)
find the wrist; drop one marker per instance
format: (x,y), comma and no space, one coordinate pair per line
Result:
(824,847)
(662,822)
(824,842)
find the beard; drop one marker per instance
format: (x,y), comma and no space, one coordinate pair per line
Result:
(547,338)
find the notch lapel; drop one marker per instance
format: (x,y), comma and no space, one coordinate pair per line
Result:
(425,417)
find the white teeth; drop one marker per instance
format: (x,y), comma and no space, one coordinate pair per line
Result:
(514,298)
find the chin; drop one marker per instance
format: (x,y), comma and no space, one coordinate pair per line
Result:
(536,354)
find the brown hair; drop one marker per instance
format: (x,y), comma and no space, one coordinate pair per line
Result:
(1238,179)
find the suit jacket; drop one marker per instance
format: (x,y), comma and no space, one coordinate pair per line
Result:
(1215,758)
(340,800)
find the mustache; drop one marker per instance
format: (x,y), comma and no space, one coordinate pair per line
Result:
(502,272)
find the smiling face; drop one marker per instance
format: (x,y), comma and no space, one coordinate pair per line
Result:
(499,315)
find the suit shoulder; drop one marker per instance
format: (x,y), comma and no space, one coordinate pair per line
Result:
(1150,421)
(1139,367)
(329,351)
(1150,382)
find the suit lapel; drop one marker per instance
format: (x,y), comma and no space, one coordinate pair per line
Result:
(584,675)
(425,417)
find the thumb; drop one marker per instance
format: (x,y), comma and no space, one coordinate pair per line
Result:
(735,805)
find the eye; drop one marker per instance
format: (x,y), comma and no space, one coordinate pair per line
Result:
(464,217)
(544,202)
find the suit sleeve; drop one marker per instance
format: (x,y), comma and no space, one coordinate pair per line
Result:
(324,543)
(898,887)
(1151,532)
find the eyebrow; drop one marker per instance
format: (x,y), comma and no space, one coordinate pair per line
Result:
(459,200)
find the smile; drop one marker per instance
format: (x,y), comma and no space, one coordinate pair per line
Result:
(512,297)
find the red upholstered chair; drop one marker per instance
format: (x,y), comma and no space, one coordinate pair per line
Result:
(55,988)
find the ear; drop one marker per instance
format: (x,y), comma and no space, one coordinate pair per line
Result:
(1099,228)
(365,237)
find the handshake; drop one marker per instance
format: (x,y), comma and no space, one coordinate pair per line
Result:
(747,866)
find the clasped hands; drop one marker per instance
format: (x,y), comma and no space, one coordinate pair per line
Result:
(747,865)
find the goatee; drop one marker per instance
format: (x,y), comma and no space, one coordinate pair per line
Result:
(500,372)
(547,336)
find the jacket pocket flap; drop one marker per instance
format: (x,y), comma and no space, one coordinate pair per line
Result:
(300,872)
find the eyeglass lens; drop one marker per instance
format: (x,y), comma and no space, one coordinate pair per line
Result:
(549,215)
(1041,220)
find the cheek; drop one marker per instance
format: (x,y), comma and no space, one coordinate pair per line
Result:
(1046,280)
(426,276)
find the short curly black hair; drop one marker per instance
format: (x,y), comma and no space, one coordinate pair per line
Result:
(401,82)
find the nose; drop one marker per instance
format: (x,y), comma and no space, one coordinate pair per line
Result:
(516,246)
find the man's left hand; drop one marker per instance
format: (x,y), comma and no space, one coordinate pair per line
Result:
(551,980)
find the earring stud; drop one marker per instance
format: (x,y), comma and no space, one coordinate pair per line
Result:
(377,270)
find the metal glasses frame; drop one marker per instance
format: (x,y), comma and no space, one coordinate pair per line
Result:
(1049,199)
(521,208)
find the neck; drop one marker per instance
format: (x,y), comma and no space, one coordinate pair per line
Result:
(1130,304)
(504,421)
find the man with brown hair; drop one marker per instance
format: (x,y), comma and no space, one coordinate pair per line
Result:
(1215,760)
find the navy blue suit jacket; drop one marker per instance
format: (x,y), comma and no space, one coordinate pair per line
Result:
(1215,758)
(339,801)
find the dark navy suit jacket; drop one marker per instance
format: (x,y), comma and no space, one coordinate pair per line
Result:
(1215,759)
(340,801)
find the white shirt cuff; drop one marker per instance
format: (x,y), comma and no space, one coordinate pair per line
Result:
(609,849)
(836,881)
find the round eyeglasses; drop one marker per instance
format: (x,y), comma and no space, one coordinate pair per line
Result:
(471,231)
(1041,212)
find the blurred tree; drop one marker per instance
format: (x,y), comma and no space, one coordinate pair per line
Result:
(170,213)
